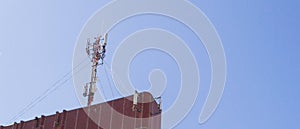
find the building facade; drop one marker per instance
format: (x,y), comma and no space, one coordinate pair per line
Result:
(121,113)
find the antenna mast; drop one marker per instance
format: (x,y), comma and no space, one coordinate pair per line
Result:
(96,51)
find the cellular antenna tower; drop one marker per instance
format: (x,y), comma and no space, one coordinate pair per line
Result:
(96,52)
(137,111)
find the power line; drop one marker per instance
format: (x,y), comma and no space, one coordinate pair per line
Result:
(51,89)
(108,80)
(117,80)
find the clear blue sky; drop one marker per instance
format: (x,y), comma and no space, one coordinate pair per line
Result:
(260,38)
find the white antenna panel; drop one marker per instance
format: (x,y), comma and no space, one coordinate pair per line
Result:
(135,98)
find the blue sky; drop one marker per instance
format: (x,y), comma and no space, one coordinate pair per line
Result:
(260,38)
